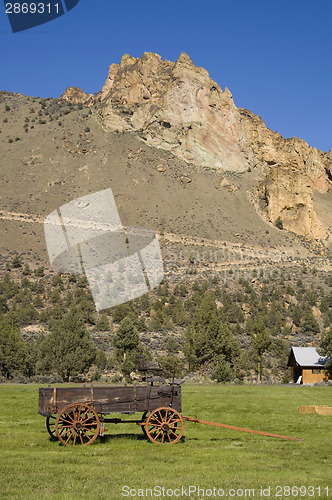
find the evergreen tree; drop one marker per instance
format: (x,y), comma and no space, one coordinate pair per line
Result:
(207,337)
(223,371)
(260,341)
(120,312)
(296,315)
(3,305)
(172,346)
(309,323)
(326,349)
(13,351)
(102,323)
(179,315)
(126,338)
(172,366)
(101,359)
(160,321)
(129,350)
(68,350)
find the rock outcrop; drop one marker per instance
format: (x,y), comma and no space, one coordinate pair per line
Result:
(75,95)
(178,107)
(293,171)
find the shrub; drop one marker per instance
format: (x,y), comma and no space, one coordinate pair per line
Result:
(26,270)
(10,141)
(278,223)
(5,120)
(96,375)
(19,379)
(7,108)
(46,379)
(39,272)
(16,263)
(87,129)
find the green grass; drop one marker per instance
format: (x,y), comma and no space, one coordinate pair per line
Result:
(34,467)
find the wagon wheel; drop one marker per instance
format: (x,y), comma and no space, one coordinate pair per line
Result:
(77,424)
(164,425)
(143,421)
(50,426)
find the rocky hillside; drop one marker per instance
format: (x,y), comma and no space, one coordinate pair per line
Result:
(177,153)
(179,108)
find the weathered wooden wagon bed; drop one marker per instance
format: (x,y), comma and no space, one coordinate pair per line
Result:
(76,415)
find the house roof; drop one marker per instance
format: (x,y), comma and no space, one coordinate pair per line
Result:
(306,356)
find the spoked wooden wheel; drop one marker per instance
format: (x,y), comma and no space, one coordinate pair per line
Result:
(50,426)
(143,421)
(164,425)
(77,424)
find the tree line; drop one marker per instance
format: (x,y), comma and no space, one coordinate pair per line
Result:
(225,334)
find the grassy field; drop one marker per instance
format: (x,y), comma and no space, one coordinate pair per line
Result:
(34,467)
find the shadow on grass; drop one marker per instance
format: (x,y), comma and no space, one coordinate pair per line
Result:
(108,438)
(133,437)
(211,439)
(125,435)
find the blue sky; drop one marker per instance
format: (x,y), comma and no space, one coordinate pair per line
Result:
(274,56)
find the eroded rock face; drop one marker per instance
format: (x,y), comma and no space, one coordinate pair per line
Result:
(288,195)
(293,171)
(178,107)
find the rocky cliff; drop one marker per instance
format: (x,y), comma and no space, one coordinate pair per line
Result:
(293,171)
(178,107)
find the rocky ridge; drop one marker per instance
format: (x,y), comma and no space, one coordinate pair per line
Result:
(178,107)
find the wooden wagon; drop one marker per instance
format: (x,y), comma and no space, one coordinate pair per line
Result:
(76,415)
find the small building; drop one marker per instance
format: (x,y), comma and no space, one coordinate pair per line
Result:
(308,366)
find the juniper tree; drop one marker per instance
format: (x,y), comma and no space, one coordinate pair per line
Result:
(13,351)
(68,350)
(260,341)
(126,338)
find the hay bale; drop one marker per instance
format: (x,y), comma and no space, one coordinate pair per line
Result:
(318,409)
(323,410)
(306,409)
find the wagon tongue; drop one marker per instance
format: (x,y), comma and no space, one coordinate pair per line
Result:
(242,429)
